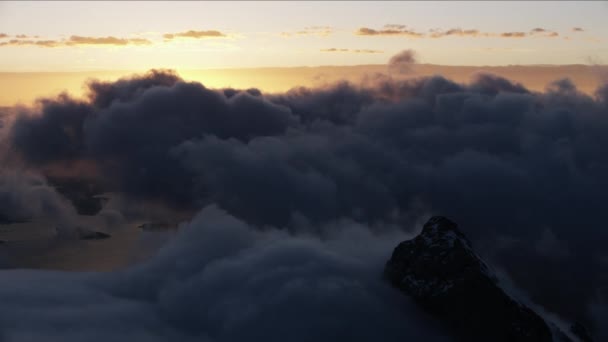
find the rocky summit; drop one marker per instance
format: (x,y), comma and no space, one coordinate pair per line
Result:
(442,273)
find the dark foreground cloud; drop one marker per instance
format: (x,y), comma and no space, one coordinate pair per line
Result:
(222,280)
(522,172)
(26,196)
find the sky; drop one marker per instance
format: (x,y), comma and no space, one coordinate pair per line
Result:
(308,141)
(119,35)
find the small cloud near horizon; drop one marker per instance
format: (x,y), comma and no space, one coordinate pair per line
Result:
(351,50)
(75,41)
(403,30)
(195,34)
(321,31)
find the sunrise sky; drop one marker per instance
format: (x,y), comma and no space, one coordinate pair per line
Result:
(108,39)
(68,36)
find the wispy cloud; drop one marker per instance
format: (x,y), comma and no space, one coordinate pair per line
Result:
(352,50)
(195,34)
(80,40)
(25,36)
(389,30)
(403,30)
(577,29)
(3,35)
(456,32)
(77,40)
(321,31)
(23,42)
(513,34)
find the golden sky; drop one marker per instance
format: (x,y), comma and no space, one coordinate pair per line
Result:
(47,47)
(122,35)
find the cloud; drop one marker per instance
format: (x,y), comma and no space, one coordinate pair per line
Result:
(506,163)
(3,35)
(402,62)
(195,34)
(544,32)
(78,40)
(538,30)
(514,34)
(577,29)
(42,43)
(25,36)
(388,31)
(351,50)
(222,280)
(403,30)
(456,32)
(321,31)
(25,196)
(395,26)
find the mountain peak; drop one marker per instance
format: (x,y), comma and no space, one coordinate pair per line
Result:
(442,273)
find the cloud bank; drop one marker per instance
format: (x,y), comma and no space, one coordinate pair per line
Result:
(523,173)
(222,280)
(403,30)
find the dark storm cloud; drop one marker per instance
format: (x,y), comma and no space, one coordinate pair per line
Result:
(173,112)
(522,172)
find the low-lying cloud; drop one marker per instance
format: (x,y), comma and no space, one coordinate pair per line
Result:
(223,280)
(522,172)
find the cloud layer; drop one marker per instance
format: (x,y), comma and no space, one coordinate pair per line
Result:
(75,41)
(523,173)
(222,280)
(403,30)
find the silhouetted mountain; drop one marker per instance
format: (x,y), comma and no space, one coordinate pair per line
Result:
(442,273)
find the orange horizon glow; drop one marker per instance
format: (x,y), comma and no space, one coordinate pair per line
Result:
(25,88)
